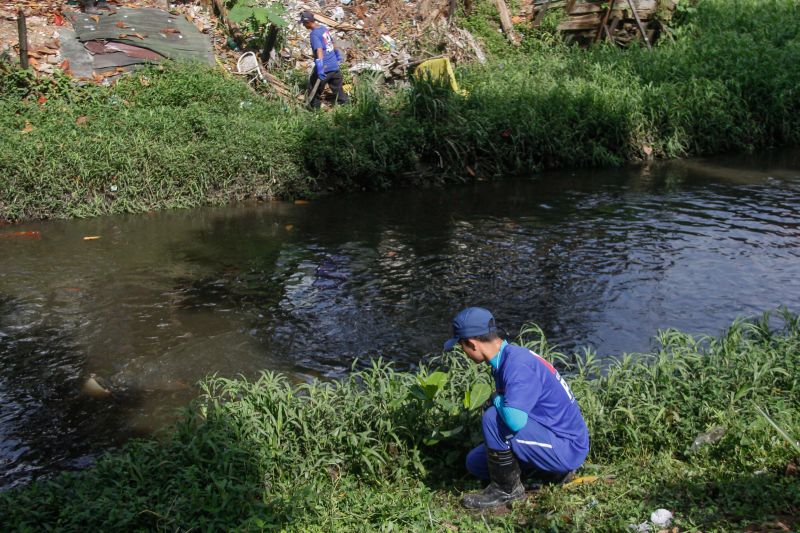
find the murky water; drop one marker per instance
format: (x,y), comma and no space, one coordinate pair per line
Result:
(601,259)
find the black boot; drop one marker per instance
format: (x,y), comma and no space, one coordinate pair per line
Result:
(505,485)
(535,479)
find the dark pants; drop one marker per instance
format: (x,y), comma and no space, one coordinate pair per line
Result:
(335,80)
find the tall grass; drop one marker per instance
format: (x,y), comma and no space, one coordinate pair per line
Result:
(183,136)
(352,454)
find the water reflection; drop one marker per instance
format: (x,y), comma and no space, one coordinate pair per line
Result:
(596,258)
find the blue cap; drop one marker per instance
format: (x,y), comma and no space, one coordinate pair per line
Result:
(471,322)
(307,16)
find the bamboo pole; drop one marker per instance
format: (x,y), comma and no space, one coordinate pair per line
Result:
(22,29)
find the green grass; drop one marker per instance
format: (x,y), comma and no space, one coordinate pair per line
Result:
(183,136)
(351,455)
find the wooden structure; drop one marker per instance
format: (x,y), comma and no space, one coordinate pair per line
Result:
(619,21)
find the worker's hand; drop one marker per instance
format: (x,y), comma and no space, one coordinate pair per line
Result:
(320,64)
(339,56)
(490,402)
(499,401)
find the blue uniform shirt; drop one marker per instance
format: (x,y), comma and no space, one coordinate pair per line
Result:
(534,386)
(321,38)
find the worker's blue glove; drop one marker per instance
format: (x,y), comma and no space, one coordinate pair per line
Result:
(339,57)
(320,64)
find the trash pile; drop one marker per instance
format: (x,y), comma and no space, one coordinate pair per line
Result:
(387,36)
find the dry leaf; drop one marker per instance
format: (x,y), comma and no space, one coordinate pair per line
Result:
(28,127)
(95,18)
(144,82)
(58,20)
(81,120)
(170,30)
(647,149)
(65,66)
(139,35)
(121,24)
(41,100)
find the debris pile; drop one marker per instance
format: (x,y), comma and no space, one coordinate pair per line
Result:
(386,36)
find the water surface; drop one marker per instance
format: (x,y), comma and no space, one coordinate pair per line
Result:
(599,259)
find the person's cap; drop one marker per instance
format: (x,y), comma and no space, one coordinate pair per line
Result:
(307,16)
(471,322)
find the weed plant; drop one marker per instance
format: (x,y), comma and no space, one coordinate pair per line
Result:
(356,454)
(183,135)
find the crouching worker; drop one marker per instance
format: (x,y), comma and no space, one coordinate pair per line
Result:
(326,62)
(534,426)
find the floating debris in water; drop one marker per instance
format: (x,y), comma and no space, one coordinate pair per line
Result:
(92,387)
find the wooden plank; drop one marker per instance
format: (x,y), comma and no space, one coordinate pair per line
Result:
(22,30)
(642,6)
(581,22)
(330,23)
(603,28)
(639,24)
(505,20)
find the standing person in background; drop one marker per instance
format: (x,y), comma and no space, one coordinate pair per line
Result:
(326,62)
(534,424)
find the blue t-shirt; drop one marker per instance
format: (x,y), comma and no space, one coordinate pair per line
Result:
(534,386)
(321,38)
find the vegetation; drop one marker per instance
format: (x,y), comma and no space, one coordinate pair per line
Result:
(182,136)
(384,450)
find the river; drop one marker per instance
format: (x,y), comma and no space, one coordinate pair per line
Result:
(152,303)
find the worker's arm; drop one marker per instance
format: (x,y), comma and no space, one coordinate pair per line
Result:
(319,63)
(514,418)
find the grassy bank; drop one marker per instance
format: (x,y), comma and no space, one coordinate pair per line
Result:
(184,136)
(376,451)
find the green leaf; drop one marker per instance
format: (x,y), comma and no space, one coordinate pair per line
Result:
(240,12)
(479,393)
(450,432)
(437,379)
(261,15)
(448,405)
(417,392)
(275,13)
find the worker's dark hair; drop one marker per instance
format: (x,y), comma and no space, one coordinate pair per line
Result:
(486,337)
